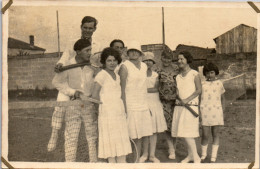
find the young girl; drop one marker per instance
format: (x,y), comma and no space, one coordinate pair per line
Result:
(114,142)
(184,124)
(212,101)
(155,106)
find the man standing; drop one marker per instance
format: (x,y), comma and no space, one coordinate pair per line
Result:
(119,45)
(73,83)
(88,27)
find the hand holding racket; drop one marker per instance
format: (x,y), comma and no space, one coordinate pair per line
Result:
(181,103)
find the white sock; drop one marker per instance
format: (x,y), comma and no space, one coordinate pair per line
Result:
(204,151)
(214,152)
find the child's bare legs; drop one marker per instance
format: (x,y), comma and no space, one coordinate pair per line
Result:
(153,140)
(144,157)
(215,134)
(121,159)
(205,135)
(204,141)
(111,160)
(192,151)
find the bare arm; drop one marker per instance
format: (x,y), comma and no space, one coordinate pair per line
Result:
(96,91)
(199,108)
(123,76)
(155,89)
(223,102)
(197,92)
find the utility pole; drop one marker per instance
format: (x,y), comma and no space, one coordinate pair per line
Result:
(163,32)
(57,13)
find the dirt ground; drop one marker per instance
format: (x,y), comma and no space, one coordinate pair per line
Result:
(30,130)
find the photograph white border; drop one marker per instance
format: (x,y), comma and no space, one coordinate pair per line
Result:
(103,165)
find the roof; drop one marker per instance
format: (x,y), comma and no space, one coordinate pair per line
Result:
(196,52)
(18,44)
(152,47)
(241,25)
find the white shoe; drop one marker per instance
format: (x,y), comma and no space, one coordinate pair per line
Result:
(172,155)
(213,160)
(197,160)
(142,159)
(203,157)
(187,160)
(154,160)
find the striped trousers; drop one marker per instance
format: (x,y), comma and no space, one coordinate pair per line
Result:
(73,117)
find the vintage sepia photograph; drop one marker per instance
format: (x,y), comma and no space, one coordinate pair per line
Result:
(95,83)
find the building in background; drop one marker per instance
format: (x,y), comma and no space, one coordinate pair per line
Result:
(157,50)
(241,39)
(20,48)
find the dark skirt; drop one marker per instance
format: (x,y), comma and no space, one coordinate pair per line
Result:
(168,108)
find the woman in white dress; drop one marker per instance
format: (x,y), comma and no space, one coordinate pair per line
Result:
(184,124)
(114,142)
(155,107)
(134,94)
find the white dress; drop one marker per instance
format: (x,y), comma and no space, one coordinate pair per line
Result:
(210,106)
(112,125)
(139,118)
(184,124)
(155,106)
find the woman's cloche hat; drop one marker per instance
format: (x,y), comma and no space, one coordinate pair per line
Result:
(148,56)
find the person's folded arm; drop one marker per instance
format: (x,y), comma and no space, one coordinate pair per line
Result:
(154,89)
(197,92)
(60,82)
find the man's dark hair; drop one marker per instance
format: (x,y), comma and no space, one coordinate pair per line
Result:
(81,44)
(110,52)
(210,67)
(116,40)
(89,19)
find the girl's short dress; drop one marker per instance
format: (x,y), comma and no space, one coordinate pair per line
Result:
(184,124)
(112,124)
(210,106)
(155,106)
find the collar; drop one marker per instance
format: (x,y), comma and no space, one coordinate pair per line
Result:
(90,39)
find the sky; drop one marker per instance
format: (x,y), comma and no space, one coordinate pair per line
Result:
(183,25)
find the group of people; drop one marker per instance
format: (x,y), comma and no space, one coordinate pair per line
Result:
(136,101)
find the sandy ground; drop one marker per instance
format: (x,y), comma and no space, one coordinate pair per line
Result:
(30,129)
